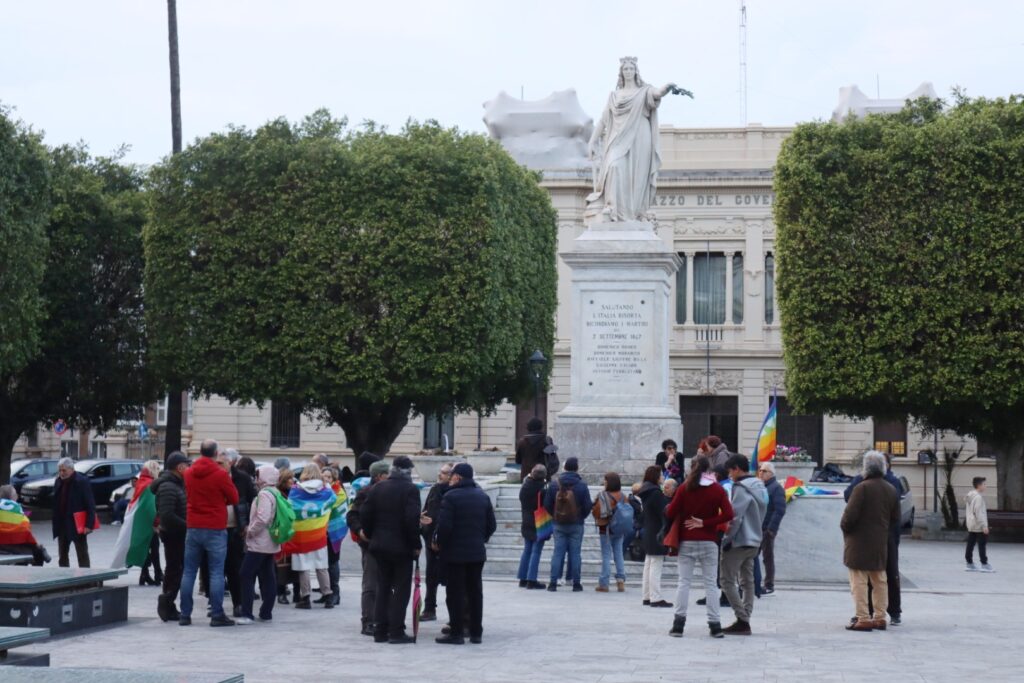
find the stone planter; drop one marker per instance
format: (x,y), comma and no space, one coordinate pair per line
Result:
(487,463)
(427,466)
(800,470)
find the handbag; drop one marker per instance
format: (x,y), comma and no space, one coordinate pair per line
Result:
(542,521)
(671,540)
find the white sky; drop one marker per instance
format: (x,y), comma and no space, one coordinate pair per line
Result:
(98,71)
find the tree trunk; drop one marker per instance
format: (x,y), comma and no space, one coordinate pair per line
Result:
(7,441)
(371,427)
(1010,473)
(172,40)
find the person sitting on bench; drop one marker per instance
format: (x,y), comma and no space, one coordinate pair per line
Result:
(16,530)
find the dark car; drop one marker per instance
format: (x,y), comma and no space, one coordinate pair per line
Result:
(33,469)
(103,475)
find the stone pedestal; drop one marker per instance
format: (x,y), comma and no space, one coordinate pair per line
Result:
(619,410)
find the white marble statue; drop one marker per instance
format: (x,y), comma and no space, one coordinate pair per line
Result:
(624,147)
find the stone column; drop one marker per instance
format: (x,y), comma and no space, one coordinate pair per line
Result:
(689,288)
(728,287)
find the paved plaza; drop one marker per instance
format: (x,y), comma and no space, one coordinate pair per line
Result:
(954,626)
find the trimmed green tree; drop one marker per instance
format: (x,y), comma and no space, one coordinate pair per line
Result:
(360,276)
(90,366)
(901,267)
(24,208)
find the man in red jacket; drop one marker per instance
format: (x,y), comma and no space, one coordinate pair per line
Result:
(210,491)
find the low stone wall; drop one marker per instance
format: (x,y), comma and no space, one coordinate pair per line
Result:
(809,547)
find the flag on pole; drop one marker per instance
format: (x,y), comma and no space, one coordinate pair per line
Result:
(132,546)
(764,450)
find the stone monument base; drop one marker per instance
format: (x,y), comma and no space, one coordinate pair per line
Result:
(627,445)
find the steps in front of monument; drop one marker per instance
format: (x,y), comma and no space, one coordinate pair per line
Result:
(506,547)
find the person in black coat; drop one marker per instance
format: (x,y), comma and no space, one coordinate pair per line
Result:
(428,525)
(390,518)
(654,501)
(171,508)
(530,449)
(376,472)
(72,494)
(238,520)
(531,497)
(466,524)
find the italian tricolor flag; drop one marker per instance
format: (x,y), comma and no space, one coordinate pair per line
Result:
(132,547)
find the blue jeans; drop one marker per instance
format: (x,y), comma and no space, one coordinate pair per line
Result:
(529,561)
(611,545)
(214,542)
(568,540)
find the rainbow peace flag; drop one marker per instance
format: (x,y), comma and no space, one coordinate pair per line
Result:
(795,488)
(312,513)
(15,529)
(766,438)
(337,527)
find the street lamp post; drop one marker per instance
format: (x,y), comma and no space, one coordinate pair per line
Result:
(537,363)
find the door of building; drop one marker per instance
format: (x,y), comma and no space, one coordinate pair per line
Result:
(704,415)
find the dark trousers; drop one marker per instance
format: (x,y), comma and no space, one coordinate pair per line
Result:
(464,593)
(394,584)
(64,541)
(368,597)
(768,554)
(892,580)
(433,580)
(174,564)
(976,537)
(153,558)
(258,566)
(233,565)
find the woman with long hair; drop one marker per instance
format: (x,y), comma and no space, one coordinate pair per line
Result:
(312,502)
(654,502)
(696,510)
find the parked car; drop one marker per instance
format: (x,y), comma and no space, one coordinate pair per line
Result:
(104,476)
(32,469)
(906,504)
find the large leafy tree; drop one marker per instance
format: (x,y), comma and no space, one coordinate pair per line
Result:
(90,365)
(901,268)
(359,276)
(24,207)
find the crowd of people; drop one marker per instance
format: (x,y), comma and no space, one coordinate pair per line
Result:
(228,524)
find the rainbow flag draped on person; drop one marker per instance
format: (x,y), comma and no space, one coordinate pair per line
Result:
(15,529)
(312,505)
(766,438)
(337,527)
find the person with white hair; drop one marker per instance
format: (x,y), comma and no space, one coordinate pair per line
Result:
(74,513)
(873,506)
(770,526)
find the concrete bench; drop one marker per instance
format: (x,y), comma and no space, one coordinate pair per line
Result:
(11,637)
(60,598)
(56,675)
(15,559)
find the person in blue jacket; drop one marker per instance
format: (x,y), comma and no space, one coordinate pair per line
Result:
(569,512)
(892,565)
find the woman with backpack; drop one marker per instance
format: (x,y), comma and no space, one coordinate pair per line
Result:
(614,518)
(260,548)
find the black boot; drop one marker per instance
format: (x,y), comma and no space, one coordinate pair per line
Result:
(716,629)
(165,608)
(677,627)
(144,579)
(303,603)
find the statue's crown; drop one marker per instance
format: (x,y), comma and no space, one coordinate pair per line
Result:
(627,60)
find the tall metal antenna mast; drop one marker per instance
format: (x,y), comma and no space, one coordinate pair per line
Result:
(743,62)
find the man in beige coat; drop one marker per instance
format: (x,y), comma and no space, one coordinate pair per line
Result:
(873,506)
(977,526)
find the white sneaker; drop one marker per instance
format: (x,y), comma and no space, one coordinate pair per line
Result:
(987,568)
(115,523)
(243,621)
(971,567)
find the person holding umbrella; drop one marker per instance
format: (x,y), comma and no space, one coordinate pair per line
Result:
(465,525)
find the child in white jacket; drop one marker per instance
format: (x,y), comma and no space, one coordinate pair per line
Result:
(977,526)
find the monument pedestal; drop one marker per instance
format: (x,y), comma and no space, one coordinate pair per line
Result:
(619,410)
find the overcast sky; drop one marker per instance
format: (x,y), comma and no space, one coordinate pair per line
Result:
(98,71)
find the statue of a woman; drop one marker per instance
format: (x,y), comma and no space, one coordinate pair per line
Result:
(627,162)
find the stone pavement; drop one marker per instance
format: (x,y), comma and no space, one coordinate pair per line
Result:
(954,626)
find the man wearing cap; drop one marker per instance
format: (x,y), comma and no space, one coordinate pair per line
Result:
(390,518)
(376,471)
(465,525)
(171,506)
